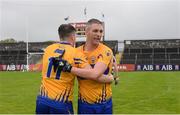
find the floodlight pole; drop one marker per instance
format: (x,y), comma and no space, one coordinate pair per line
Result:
(103,22)
(104,31)
(27,41)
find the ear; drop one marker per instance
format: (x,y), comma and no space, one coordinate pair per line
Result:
(73,37)
(87,31)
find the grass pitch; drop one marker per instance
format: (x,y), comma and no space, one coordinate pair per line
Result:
(137,92)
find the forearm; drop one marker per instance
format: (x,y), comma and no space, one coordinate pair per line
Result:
(105,78)
(85,73)
(116,76)
(115,65)
(115,68)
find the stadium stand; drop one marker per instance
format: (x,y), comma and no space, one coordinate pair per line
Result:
(151,52)
(15,53)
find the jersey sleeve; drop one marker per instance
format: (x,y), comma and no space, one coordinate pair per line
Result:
(105,57)
(80,60)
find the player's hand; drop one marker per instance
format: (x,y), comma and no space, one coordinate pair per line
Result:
(111,77)
(64,65)
(116,78)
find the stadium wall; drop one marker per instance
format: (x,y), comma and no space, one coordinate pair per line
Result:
(22,67)
(133,67)
(121,67)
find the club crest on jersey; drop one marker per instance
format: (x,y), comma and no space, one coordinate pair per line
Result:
(108,53)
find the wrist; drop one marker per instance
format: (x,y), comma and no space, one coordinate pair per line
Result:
(69,68)
(72,69)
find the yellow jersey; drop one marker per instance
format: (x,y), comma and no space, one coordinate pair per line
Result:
(92,91)
(58,85)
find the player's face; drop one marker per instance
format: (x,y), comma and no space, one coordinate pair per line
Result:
(95,33)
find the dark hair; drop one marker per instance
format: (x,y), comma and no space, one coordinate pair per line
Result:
(65,30)
(92,21)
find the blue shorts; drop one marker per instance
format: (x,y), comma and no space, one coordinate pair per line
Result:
(100,108)
(48,106)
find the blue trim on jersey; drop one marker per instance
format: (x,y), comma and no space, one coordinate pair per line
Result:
(92,65)
(49,67)
(107,71)
(77,59)
(64,95)
(58,73)
(77,62)
(65,42)
(59,51)
(96,104)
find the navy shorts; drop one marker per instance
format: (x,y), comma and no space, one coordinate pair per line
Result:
(99,108)
(47,106)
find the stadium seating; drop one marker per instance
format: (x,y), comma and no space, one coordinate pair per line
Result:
(15,53)
(151,52)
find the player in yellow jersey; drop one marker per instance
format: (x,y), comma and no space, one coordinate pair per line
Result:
(95,97)
(56,90)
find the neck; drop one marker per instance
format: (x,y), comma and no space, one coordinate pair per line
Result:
(89,47)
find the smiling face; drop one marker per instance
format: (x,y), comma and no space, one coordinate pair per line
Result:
(94,33)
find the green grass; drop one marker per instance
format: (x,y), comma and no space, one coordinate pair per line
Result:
(18,91)
(137,92)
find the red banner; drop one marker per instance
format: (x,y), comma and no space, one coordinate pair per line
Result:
(2,67)
(22,67)
(126,67)
(35,67)
(38,67)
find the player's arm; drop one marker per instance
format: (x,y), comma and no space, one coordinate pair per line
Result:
(115,64)
(106,78)
(89,73)
(115,70)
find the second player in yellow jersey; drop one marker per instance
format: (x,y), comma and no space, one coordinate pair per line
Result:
(58,85)
(56,90)
(92,91)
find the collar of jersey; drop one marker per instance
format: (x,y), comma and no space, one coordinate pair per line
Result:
(65,42)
